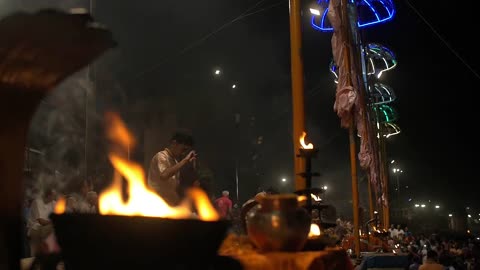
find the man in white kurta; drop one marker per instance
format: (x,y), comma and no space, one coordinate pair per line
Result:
(164,171)
(39,225)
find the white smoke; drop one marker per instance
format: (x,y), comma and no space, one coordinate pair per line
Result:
(57,130)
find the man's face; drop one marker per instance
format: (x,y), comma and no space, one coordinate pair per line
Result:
(179,149)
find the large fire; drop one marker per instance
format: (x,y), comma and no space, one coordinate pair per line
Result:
(141,200)
(302,141)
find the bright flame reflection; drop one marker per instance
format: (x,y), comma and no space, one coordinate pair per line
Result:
(315,197)
(302,141)
(314,230)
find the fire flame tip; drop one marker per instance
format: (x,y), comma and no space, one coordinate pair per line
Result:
(302,141)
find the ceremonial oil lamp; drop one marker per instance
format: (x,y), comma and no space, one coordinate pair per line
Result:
(52,46)
(316,240)
(307,152)
(142,231)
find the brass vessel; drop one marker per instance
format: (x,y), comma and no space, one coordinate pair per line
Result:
(278,223)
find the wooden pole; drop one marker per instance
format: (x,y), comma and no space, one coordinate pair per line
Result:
(355,200)
(298,111)
(371,206)
(383,160)
(378,168)
(347,38)
(359,66)
(90,107)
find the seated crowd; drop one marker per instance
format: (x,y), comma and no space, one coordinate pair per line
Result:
(38,207)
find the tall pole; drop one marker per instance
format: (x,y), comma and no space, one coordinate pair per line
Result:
(298,121)
(398,186)
(236,179)
(89,98)
(355,200)
(383,160)
(237,151)
(370,200)
(367,116)
(347,38)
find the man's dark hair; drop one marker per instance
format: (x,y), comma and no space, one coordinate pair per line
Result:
(183,137)
(272,191)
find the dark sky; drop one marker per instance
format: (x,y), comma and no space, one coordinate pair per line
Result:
(435,103)
(162,65)
(433,86)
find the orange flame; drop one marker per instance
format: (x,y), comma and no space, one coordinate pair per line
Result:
(301,198)
(60,206)
(141,200)
(117,131)
(205,209)
(302,141)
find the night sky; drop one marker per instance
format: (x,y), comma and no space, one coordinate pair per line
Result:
(168,51)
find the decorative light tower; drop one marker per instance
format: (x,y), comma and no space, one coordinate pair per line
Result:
(361,100)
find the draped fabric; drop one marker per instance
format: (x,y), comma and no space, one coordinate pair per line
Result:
(348,100)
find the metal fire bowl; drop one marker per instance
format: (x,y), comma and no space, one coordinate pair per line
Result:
(90,241)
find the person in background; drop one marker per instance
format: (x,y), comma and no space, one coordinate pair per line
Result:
(71,206)
(393,232)
(431,262)
(84,201)
(26,216)
(415,263)
(164,171)
(224,205)
(39,224)
(400,233)
(87,202)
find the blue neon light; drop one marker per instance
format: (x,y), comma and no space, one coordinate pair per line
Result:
(369,12)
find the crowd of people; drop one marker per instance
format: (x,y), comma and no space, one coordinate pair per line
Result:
(39,205)
(165,174)
(432,251)
(437,251)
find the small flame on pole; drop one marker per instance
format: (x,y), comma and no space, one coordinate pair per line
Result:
(302,142)
(315,197)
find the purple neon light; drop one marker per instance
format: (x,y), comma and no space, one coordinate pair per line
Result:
(369,12)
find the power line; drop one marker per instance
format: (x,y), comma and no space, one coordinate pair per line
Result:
(442,39)
(248,12)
